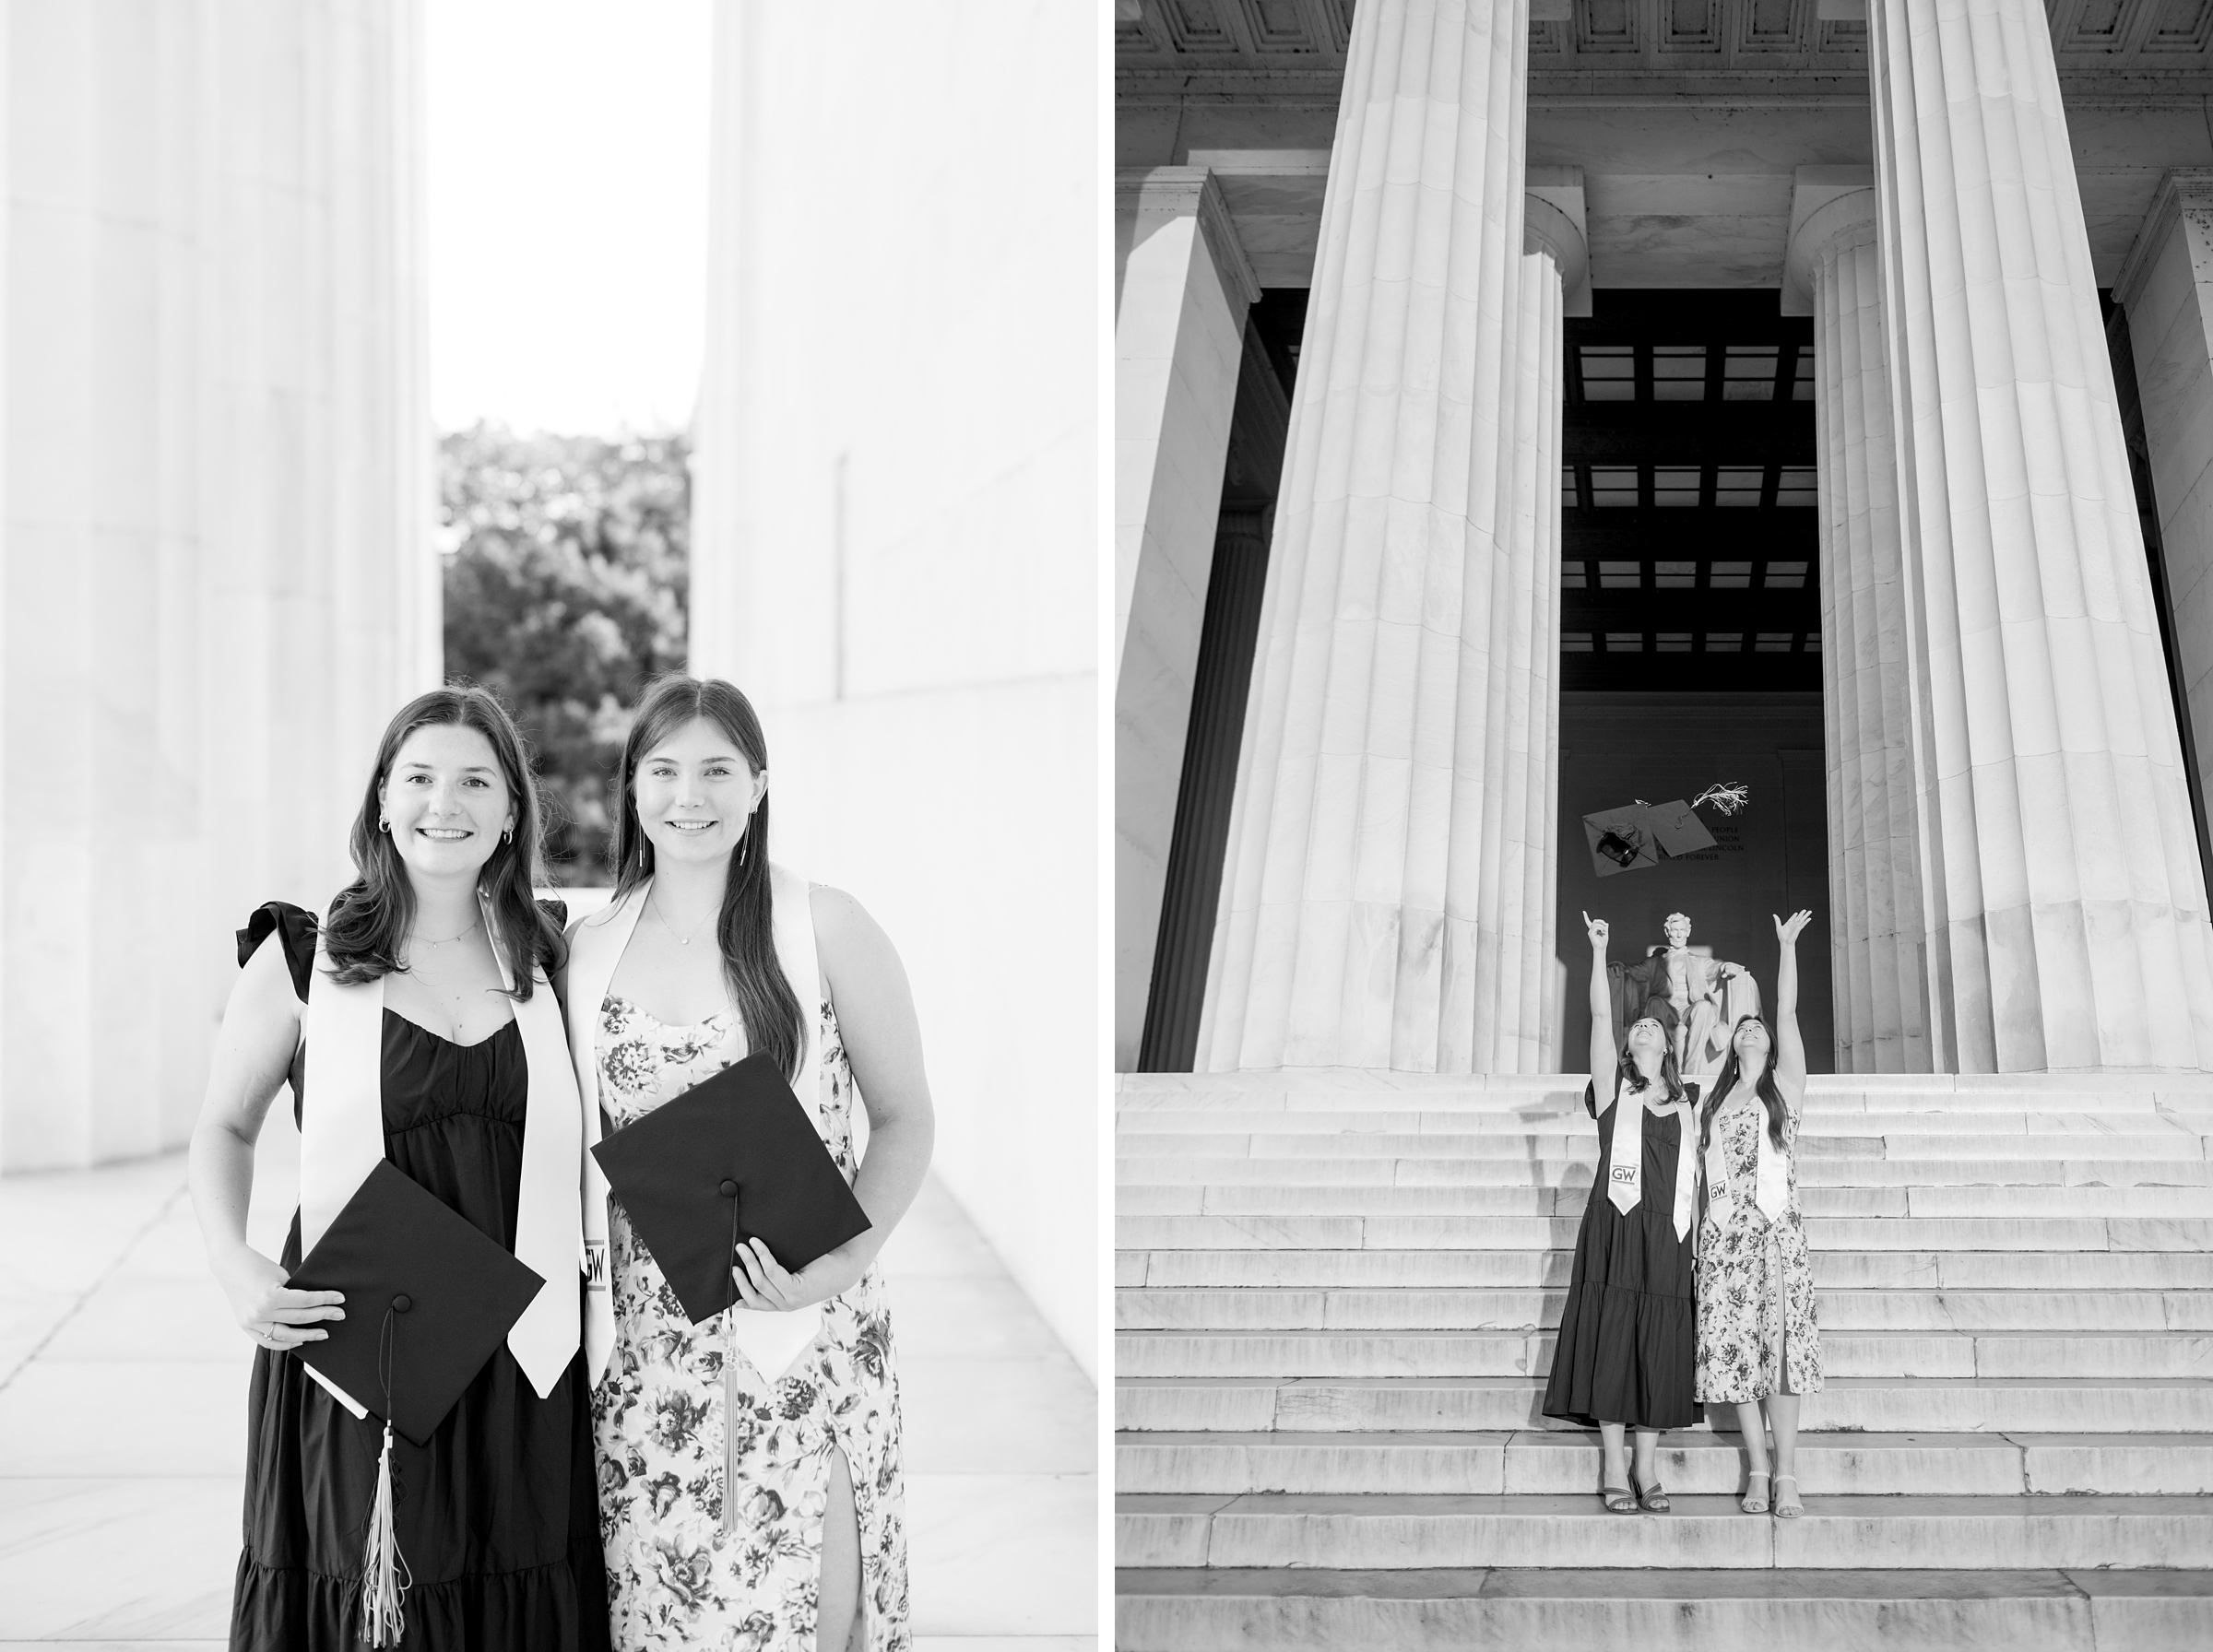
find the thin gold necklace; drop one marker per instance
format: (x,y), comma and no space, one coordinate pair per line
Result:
(424,941)
(681,940)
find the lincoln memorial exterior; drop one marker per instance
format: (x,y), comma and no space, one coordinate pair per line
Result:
(1789,418)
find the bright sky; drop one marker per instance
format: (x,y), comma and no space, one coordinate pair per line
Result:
(568,211)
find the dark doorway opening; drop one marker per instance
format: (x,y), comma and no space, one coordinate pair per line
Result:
(2131,400)
(1691,635)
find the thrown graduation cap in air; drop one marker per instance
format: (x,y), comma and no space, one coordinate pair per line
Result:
(1621,840)
(429,1298)
(1676,828)
(733,1158)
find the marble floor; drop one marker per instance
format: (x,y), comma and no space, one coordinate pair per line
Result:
(122,1385)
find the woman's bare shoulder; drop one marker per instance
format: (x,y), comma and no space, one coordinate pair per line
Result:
(842,924)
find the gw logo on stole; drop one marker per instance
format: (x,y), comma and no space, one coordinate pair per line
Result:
(1624,1173)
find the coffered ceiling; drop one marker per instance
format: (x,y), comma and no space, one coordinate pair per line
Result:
(1227,37)
(1688,118)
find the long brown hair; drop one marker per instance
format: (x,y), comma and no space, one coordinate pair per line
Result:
(370,918)
(1765,1088)
(745,932)
(1671,1075)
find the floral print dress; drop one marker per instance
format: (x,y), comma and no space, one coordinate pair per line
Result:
(1756,1332)
(731,1560)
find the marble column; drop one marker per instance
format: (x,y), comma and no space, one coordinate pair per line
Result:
(219,481)
(1361,883)
(1518,892)
(1183,288)
(1874,899)
(2062,896)
(2166,290)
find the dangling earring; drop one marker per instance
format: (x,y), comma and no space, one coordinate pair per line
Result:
(507,836)
(383,825)
(743,841)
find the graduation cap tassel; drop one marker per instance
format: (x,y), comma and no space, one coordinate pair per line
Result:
(383,1573)
(384,1577)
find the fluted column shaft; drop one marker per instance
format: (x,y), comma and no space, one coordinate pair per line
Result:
(218,485)
(1515,900)
(1360,873)
(2062,896)
(1180,329)
(1876,937)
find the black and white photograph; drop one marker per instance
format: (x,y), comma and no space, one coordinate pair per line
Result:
(1662,988)
(471,1185)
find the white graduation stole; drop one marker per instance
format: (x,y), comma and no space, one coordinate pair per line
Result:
(771,1341)
(1772,1178)
(342,1138)
(1624,1166)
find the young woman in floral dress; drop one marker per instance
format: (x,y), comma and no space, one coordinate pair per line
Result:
(1757,1339)
(759,1510)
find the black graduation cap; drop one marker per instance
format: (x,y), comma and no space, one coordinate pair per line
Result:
(428,1298)
(1677,829)
(735,1157)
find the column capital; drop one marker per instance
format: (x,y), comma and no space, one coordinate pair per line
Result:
(2184,186)
(1553,223)
(1190,192)
(1832,208)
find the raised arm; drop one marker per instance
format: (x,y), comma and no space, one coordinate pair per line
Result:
(1601,1013)
(1790,1049)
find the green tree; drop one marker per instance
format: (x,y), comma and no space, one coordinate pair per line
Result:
(565,574)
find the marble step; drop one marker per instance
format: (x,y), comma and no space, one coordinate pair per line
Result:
(1499,1171)
(1397,1308)
(1536,1462)
(1817,1124)
(1138,1092)
(1167,1267)
(1489,1404)
(1350,1080)
(1387,1532)
(1481,1354)
(1690,1609)
(1476,1107)
(1526,1232)
(1581,1145)
(1238,1199)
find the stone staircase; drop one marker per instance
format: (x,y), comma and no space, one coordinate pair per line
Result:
(1335,1301)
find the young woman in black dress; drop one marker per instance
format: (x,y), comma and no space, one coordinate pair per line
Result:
(1627,1342)
(497,1516)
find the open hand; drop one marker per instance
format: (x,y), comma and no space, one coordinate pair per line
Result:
(766,1287)
(267,1311)
(1787,930)
(1597,930)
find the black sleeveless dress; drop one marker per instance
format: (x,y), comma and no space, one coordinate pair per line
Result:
(498,1516)
(1628,1347)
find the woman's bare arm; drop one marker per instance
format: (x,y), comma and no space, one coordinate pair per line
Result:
(883,1043)
(253,1058)
(1603,1059)
(1790,1049)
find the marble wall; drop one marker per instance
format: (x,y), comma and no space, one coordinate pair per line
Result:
(218,474)
(893,548)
